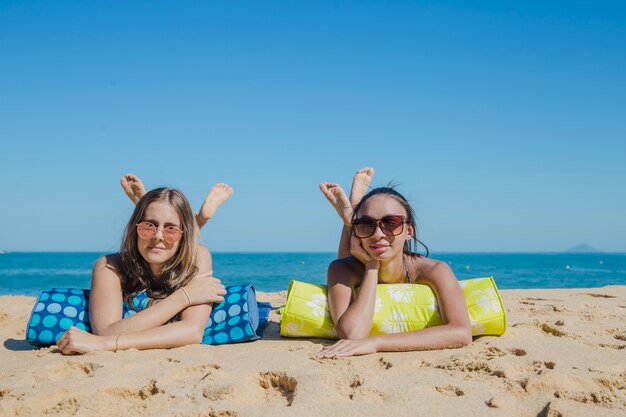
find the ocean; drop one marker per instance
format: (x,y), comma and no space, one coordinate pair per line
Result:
(26,273)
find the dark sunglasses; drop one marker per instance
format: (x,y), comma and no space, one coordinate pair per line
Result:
(390,226)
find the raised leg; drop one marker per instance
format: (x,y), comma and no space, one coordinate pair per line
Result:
(216,197)
(133,187)
(360,184)
(337,197)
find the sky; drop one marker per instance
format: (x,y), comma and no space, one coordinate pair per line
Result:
(503,123)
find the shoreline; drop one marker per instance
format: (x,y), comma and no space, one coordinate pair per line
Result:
(562,354)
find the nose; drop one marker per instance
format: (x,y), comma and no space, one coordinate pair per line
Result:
(378,232)
(158,235)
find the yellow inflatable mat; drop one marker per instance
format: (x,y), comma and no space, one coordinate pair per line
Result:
(399,308)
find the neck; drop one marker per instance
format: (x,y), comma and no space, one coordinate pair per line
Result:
(156,269)
(392,271)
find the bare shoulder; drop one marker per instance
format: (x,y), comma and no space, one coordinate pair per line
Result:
(347,270)
(204,261)
(204,252)
(107,269)
(111,262)
(432,271)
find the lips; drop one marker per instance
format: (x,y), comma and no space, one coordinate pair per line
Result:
(378,249)
(156,248)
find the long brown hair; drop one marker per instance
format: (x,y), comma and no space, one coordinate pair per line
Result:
(136,275)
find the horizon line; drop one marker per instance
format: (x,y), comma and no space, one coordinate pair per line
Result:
(312,252)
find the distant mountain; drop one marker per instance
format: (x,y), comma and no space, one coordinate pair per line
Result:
(583,248)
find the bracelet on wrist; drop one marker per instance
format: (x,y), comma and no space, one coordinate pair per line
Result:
(187,295)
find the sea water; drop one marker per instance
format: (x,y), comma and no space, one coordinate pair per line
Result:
(28,273)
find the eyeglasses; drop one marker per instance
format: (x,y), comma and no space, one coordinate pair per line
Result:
(390,226)
(147,230)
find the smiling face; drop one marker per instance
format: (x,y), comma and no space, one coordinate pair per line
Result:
(380,246)
(155,250)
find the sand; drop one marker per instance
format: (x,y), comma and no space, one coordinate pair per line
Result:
(562,355)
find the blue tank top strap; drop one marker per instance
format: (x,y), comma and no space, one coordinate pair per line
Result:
(139,302)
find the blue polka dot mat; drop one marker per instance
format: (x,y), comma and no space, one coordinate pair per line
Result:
(239,318)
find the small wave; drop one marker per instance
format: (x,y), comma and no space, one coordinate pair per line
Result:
(44,271)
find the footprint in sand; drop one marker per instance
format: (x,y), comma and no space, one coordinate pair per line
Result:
(202,371)
(68,406)
(4,393)
(67,370)
(141,394)
(279,385)
(224,413)
(546,328)
(384,364)
(188,381)
(450,390)
(363,394)
(539,367)
(518,352)
(549,411)
(354,388)
(219,392)
(492,352)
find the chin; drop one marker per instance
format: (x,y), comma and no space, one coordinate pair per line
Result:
(387,255)
(156,258)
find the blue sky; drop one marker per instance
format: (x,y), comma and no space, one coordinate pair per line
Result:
(503,122)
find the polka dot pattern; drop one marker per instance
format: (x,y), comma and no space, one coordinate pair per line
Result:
(236,319)
(55,311)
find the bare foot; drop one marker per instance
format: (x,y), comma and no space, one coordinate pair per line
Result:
(216,197)
(337,197)
(133,187)
(360,184)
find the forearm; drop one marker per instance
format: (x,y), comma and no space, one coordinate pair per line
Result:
(447,336)
(356,321)
(171,335)
(180,333)
(154,316)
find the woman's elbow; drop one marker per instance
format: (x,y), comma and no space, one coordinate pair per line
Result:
(349,332)
(102,330)
(196,334)
(463,336)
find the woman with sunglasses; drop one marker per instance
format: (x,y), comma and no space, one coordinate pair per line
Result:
(379,246)
(161,256)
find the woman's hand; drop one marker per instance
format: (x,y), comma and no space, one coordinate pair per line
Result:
(356,250)
(204,289)
(75,340)
(349,347)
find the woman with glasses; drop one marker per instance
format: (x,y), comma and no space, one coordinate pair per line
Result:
(160,256)
(379,246)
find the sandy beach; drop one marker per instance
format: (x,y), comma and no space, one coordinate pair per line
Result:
(562,355)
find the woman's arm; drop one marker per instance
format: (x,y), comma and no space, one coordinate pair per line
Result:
(188,330)
(353,317)
(105,305)
(180,333)
(455,333)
